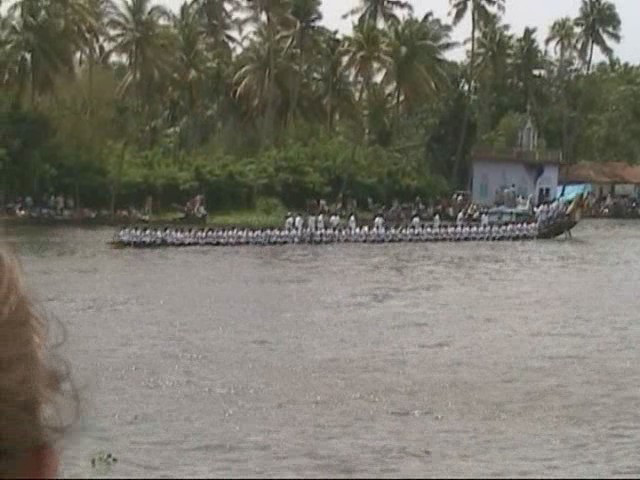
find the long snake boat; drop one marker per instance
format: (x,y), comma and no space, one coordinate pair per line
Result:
(561,223)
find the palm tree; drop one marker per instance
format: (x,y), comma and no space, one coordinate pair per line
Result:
(261,79)
(92,33)
(39,44)
(304,37)
(494,47)
(268,18)
(137,33)
(336,90)
(528,59)
(563,37)
(13,61)
(191,59)
(598,23)
(374,11)
(218,21)
(480,12)
(494,51)
(417,68)
(193,67)
(366,55)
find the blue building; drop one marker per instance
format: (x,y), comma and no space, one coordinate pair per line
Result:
(530,171)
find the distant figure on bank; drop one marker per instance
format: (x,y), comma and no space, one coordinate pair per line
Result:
(30,388)
(148,205)
(200,210)
(60,204)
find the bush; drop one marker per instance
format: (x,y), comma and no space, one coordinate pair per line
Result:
(270,206)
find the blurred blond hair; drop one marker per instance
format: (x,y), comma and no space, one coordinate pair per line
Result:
(30,386)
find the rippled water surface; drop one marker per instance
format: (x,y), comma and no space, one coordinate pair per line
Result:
(350,360)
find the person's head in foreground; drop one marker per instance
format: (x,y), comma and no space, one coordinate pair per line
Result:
(29,387)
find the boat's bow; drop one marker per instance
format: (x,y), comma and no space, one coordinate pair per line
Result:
(567,222)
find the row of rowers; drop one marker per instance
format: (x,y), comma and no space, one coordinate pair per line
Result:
(170,236)
(314,223)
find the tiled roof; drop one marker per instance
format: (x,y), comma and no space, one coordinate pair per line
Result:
(609,173)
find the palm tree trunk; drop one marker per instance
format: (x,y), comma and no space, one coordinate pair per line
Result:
(565,119)
(33,81)
(267,125)
(115,187)
(298,84)
(366,86)
(467,111)
(138,79)
(90,102)
(590,58)
(330,106)
(347,171)
(580,107)
(361,92)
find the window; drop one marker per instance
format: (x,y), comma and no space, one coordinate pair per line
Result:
(544,194)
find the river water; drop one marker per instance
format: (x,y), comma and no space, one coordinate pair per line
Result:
(472,359)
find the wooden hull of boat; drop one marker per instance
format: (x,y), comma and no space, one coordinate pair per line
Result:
(547,232)
(557,229)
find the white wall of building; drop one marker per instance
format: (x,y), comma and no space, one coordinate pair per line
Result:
(488,177)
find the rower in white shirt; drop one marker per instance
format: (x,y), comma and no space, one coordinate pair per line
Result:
(364,234)
(311,223)
(378,222)
(415,221)
(428,234)
(288,223)
(334,221)
(353,223)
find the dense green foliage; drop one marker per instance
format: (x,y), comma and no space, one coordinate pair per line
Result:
(111,100)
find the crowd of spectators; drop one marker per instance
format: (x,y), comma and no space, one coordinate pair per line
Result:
(612,206)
